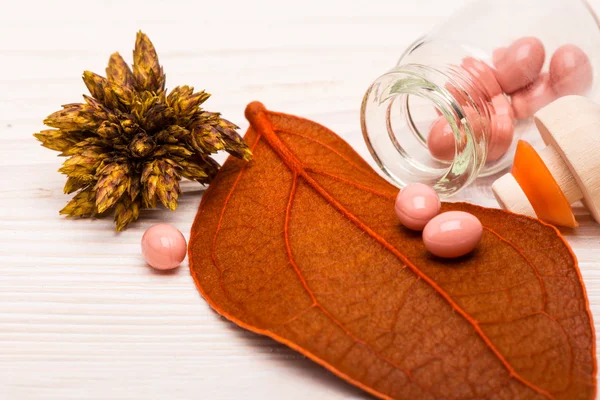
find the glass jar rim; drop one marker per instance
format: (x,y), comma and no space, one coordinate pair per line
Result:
(440,87)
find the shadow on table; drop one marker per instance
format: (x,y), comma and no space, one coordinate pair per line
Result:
(290,359)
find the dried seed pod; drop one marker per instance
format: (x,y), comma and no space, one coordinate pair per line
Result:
(131,143)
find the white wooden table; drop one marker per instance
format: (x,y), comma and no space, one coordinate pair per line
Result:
(81,315)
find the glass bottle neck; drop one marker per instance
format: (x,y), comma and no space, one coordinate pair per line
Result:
(396,116)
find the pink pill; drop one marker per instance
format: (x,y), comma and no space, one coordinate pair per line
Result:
(521,64)
(498,54)
(452,234)
(502,106)
(502,128)
(416,205)
(475,120)
(163,246)
(482,76)
(570,71)
(528,101)
(501,137)
(440,141)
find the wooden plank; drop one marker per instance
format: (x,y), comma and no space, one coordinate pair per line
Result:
(81,316)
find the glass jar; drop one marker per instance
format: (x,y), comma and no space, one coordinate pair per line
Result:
(448,81)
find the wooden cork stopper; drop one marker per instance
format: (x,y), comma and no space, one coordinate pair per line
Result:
(511,197)
(570,127)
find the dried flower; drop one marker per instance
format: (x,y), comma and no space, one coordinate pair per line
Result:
(130,143)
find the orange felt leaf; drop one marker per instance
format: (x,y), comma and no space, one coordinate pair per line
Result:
(302,245)
(540,187)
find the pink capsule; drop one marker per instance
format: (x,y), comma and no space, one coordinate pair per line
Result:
(452,234)
(502,128)
(570,71)
(475,120)
(501,136)
(528,101)
(440,141)
(498,54)
(163,246)
(502,106)
(521,64)
(416,204)
(482,75)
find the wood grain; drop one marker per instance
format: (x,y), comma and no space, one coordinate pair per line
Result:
(81,316)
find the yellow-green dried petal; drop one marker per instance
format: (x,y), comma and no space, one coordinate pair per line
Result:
(55,139)
(149,192)
(96,84)
(109,131)
(184,101)
(129,125)
(206,139)
(168,197)
(118,71)
(197,169)
(160,179)
(77,117)
(113,181)
(177,93)
(98,109)
(135,186)
(74,184)
(234,144)
(172,134)
(146,69)
(82,165)
(156,117)
(90,144)
(81,205)
(124,95)
(176,150)
(126,212)
(142,145)
(223,123)
(167,188)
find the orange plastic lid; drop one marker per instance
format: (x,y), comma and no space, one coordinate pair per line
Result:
(540,187)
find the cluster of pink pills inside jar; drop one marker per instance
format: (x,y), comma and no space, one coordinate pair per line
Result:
(448,235)
(516,75)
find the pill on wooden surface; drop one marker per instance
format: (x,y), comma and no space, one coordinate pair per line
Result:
(416,205)
(452,234)
(163,246)
(521,64)
(528,101)
(440,140)
(570,71)
(482,76)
